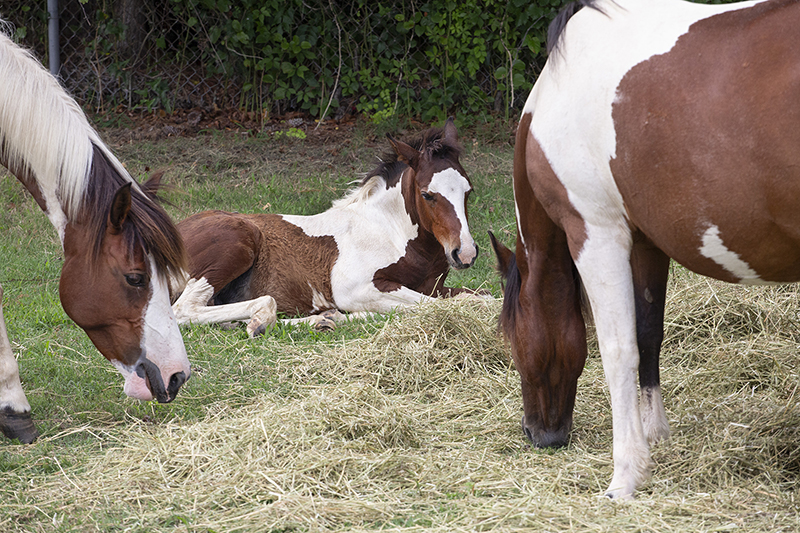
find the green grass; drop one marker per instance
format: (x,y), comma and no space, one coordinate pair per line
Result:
(408,423)
(67,381)
(77,398)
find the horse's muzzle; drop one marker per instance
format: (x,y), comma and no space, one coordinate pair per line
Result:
(149,370)
(456,262)
(542,438)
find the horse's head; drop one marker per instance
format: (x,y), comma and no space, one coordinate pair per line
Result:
(114,286)
(549,364)
(437,192)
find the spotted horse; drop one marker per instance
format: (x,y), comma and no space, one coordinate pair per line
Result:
(386,245)
(657,129)
(120,247)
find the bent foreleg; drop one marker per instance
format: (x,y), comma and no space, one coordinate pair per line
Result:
(192,308)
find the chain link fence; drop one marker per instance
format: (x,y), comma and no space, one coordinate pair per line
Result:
(103,68)
(278,56)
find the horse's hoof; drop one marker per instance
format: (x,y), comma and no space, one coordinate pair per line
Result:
(324,324)
(256,328)
(18,426)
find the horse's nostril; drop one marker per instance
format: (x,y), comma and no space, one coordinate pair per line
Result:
(455,253)
(175,382)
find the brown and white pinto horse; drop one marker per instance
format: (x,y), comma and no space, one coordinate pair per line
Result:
(386,245)
(658,129)
(119,246)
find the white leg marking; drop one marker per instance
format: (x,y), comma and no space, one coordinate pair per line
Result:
(604,265)
(654,418)
(11,393)
(192,308)
(332,315)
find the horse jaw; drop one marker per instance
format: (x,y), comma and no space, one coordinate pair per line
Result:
(163,366)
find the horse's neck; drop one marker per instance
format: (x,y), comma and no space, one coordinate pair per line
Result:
(43,192)
(45,138)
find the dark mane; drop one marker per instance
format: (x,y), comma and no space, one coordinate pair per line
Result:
(151,226)
(508,315)
(431,141)
(513,286)
(558,24)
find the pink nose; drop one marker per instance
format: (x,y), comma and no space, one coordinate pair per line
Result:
(463,258)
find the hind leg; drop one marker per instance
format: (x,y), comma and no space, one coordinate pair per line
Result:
(650,268)
(221,247)
(15,411)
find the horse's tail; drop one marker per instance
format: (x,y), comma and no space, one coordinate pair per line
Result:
(558,24)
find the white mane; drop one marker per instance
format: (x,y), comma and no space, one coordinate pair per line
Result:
(44,130)
(361,194)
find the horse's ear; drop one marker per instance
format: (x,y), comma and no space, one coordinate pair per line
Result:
(450,133)
(120,207)
(404,152)
(504,255)
(153,183)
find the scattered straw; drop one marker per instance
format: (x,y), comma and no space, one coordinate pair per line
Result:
(417,429)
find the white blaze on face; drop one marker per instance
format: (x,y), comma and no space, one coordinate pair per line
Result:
(453,186)
(162,343)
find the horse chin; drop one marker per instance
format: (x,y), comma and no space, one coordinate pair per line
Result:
(458,265)
(138,388)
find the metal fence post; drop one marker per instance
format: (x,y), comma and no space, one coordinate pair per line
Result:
(52,37)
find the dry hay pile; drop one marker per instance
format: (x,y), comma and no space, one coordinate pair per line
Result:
(417,429)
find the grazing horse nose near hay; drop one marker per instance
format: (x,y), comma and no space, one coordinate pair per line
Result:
(150,371)
(542,438)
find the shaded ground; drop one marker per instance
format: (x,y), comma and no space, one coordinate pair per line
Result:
(127,127)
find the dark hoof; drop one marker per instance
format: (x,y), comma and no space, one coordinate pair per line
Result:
(256,328)
(18,426)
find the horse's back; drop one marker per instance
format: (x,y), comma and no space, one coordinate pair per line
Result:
(681,121)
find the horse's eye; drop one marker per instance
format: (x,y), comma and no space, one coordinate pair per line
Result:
(427,196)
(136,280)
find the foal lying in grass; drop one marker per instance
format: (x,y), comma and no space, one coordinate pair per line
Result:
(387,245)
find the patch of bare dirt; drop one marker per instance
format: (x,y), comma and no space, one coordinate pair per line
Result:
(141,126)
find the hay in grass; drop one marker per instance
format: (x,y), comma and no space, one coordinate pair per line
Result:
(416,428)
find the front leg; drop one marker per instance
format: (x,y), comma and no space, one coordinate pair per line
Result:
(192,308)
(15,411)
(605,268)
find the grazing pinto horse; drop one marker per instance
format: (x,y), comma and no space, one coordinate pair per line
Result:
(658,129)
(119,245)
(386,245)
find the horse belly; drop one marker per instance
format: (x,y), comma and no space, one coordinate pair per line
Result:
(706,150)
(293,267)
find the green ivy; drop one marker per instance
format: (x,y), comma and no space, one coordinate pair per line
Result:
(386,59)
(392,58)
